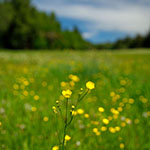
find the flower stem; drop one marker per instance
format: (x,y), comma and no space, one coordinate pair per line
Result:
(66,124)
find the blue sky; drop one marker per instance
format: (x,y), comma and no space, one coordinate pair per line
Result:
(101,20)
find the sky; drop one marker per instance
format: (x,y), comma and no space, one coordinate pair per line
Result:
(101,20)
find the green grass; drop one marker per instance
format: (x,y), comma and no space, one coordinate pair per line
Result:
(127,73)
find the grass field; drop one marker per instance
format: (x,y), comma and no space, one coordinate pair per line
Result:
(31,82)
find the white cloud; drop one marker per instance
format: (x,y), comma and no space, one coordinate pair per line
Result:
(88,35)
(121,16)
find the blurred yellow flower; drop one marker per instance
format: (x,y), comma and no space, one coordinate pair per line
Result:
(101,109)
(112,130)
(119,109)
(80,111)
(0,123)
(103,128)
(55,148)
(33,109)
(98,133)
(36,97)
(25,93)
(63,84)
(112,94)
(90,85)
(26,83)
(121,145)
(74,78)
(105,121)
(117,128)
(95,130)
(123,82)
(131,100)
(45,119)
(86,115)
(123,124)
(67,138)
(54,109)
(16,86)
(74,113)
(114,111)
(73,107)
(67,93)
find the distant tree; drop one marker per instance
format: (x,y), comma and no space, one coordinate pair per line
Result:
(146,41)
(137,42)
(6,17)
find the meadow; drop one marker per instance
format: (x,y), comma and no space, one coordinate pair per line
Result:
(115,115)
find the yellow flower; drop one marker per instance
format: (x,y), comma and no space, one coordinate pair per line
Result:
(112,130)
(90,85)
(80,111)
(103,128)
(26,83)
(74,113)
(131,100)
(121,145)
(86,115)
(66,93)
(112,94)
(123,82)
(25,93)
(36,97)
(0,123)
(63,84)
(57,102)
(54,109)
(98,133)
(123,124)
(33,109)
(105,121)
(101,109)
(74,78)
(120,109)
(55,148)
(16,86)
(95,130)
(114,111)
(72,84)
(117,128)
(67,138)
(45,119)
(73,107)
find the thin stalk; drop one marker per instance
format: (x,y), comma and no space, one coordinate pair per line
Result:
(66,123)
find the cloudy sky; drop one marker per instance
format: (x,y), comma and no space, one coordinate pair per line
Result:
(101,20)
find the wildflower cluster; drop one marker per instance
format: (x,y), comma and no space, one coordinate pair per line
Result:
(70,109)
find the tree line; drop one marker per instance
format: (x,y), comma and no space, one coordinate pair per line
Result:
(23,26)
(139,41)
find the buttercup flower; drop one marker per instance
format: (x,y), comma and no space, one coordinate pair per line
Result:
(67,138)
(55,148)
(45,119)
(66,93)
(105,121)
(80,111)
(101,109)
(90,85)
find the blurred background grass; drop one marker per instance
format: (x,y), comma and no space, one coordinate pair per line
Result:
(32,79)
